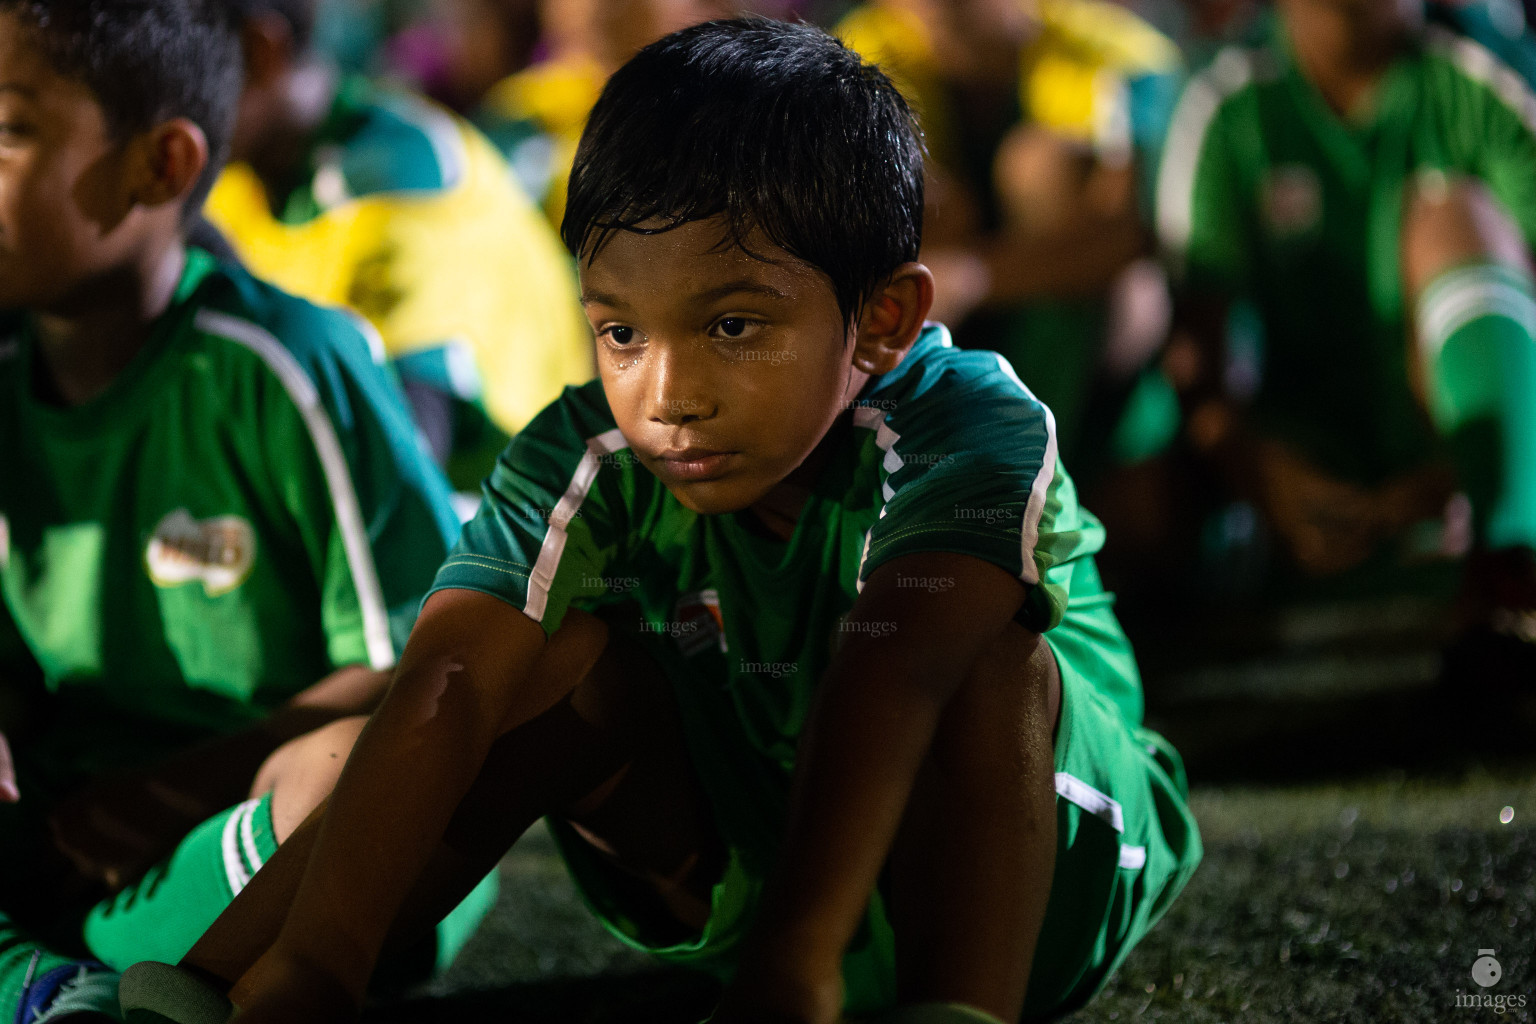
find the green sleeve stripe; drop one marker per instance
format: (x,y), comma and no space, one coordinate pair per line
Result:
(1481,65)
(1034,509)
(1191,123)
(338,477)
(548,563)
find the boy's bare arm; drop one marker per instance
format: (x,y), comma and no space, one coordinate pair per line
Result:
(921,622)
(460,684)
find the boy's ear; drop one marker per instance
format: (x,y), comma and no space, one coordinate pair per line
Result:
(892,318)
(168,162)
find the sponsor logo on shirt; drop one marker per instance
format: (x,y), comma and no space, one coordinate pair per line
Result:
(698,613)
(217,552)
(1292,199)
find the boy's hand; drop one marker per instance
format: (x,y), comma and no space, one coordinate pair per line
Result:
(781,993)
(283,989)
(9,792)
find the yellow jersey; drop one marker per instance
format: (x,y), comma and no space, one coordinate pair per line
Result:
(408,216)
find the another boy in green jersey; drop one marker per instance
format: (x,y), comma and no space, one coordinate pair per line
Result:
(790,623)
(1368,184)
(215,520)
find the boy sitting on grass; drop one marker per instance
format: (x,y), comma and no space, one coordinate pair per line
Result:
(865,734)
(215,520)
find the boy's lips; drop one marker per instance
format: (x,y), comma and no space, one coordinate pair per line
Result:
(694,464)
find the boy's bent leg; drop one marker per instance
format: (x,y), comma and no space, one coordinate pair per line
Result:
(971,868)
(1124,841)
(574,759)
(1466,271)
(163,914)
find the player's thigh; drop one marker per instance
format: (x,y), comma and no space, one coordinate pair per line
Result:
(652,813)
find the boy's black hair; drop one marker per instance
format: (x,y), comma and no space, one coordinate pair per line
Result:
(299,14)
(771,126)
(146,61)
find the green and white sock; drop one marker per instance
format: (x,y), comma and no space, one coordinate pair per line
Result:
(1477,337)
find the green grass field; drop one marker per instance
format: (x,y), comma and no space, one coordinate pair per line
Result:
(1363,901)
(1363,843)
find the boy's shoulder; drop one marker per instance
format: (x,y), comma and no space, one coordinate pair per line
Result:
(958,386)
(231,311)
(381,142)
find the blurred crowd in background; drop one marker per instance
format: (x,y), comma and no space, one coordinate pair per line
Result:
(1074,218)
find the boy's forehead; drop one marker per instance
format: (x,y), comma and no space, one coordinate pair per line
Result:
(26,72)
(691,261)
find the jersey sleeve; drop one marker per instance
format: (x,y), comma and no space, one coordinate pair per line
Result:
(472,292)
(973,470)
(370,511)
(1489,111)
(552,513)
(1200,203)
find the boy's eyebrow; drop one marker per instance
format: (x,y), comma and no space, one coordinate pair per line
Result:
(595,298)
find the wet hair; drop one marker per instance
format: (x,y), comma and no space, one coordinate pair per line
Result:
(146,61)
(770,126)
(299,14)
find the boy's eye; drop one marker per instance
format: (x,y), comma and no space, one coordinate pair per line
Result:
(735,327)
(620,335)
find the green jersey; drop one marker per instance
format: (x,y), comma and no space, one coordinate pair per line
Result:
(949,452)
(1267,195)
(246,509)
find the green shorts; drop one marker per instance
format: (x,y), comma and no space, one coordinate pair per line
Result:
(1126,841)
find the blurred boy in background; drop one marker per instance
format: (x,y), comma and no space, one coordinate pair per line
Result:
(544,108)
(1368,184)
(350,195)
(1043,119)
(216,523)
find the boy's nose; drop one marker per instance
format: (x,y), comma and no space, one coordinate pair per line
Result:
(677,393)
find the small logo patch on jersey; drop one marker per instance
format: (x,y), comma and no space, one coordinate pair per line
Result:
(217,552)
(698,616)
(1292,199)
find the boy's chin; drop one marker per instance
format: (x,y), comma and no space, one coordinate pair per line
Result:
(716,497)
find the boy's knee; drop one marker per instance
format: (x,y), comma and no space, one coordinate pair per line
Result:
(301,773)
(1448,221)
(1015,671)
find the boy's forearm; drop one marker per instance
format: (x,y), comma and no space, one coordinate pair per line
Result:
(872,728)
(411,766)
(461,680)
